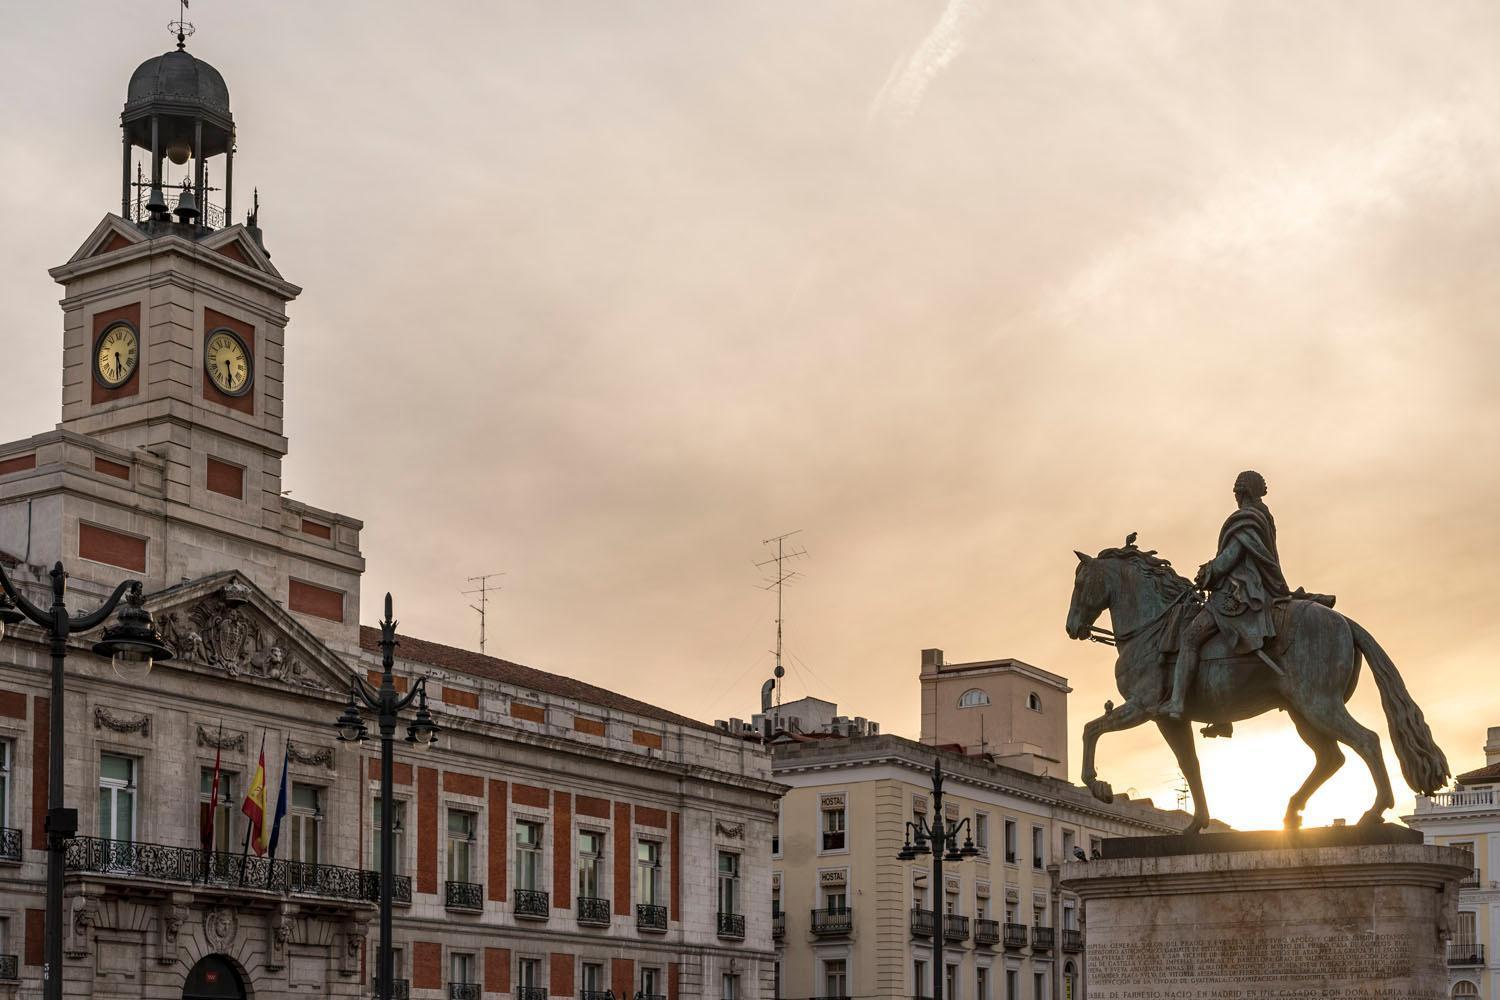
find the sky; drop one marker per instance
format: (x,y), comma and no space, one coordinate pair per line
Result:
(601,294)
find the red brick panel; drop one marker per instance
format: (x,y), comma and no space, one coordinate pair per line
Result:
(316,530)
(592,727)
(560,983)
(459,697)
(498,844)
(108,468)
(132,315)
(213,320)
(400,773)
(641,738)
(36,952)
(674,973)
(226,479)
(646,816)
(676,872)
(531,713)
(233,252)
(427,829)
(624,858)
(562,860)
(310,599)
(587,805)
(529,795)
(115,242)
(462,784)
(41,762)
(18,464)
(497,968)
(427,965)
(397,681)
(12,704)
(111,548)
(622,975)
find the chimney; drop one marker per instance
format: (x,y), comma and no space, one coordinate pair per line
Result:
(1492,745)
(932,660)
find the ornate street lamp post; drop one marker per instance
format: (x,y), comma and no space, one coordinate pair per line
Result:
(132,645)
(387,704)
(940,839)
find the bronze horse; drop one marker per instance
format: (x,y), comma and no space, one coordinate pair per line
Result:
(1312,678)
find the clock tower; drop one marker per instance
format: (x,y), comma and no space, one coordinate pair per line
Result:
(167,462)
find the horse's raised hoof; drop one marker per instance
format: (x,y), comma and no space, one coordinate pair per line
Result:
(1102,790)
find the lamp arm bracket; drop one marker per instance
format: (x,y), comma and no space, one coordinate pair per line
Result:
(367,692)
(418,688)
(26,608)
(97,617)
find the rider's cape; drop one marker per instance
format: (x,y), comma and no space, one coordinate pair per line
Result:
(1246,578)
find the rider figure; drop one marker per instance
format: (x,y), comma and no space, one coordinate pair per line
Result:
(1243,580)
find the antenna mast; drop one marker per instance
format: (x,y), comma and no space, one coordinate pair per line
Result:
(483,590)
(777,581)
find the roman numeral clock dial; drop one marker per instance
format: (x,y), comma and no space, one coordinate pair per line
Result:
(227,363)
(116,357)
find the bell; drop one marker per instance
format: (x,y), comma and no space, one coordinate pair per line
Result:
(187,206)
(156,204)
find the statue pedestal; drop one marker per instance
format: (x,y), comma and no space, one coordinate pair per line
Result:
(1339,913)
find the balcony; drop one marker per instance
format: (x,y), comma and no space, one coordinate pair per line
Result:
(833,840)
(533,904)
(463,896)
(1470,881)
(778,925)
(832,923)
(921,922)
(531,993)
(120,859)
(955,927)
(1042,938)
(10,845)
(986,931)
(732,926)
(596,995)
(1013,935)
(593,912)
(400,988)
(463,991)
(10,969)
(650,917)
(1072,940)
(1463,953)
(1459,799)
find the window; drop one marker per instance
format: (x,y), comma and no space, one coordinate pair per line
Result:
(836,900)
(648,872)
(116,797)
(731,987)
(651,983)
(1038,847)
(461,834)
(1070,840)
(398,836)
(528,856)
(593,977)
(306,817)
(729,882)
(5,753)
(1070,981)
(1012,984)
(776,980)
(775,900)
(950,984)
(833,828)
(982,907)
(460,967)
(529,973)
(1039,985)
(1094,843)
(973,698)
(1069,915)
(229,806)
(835,977)
(920,987)
(1012,835)
(1464,989)
(1034,702)
(1467,934)
(776,832)
(981,983)
(950,903)
(982,832)
(1038,914)
(590,862)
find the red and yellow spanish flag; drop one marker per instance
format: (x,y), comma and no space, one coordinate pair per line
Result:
(255,803)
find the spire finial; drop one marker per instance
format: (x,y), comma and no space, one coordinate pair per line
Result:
(181,27)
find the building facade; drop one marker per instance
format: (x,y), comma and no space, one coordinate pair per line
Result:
(560,839)
(1468,817)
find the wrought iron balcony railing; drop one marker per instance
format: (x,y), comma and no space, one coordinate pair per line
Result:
(10,845)
(593,911)
(531,992)
(400,988)
(732,925)
(833,923)
(1465,953)
(778,925)
(921,922)
(10,969)
(533,904)
(955,927)
(463,991)
(1470,881)
(650,917)
(1072,940)
(986,931)
(650,996)
(1014,935)
(127,859)
(463,896)
(1042,938)
(596,995)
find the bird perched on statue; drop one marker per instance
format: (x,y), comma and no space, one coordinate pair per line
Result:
(1078,854)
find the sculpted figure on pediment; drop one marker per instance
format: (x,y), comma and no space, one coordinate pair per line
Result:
(220,634)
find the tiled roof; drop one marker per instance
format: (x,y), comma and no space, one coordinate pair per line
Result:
(1490,772)
(493,668)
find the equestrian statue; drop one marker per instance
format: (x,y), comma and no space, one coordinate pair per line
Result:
(1233,644)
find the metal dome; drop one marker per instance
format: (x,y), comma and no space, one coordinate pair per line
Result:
(178,78)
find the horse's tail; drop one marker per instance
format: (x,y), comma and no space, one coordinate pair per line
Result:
(1422,761)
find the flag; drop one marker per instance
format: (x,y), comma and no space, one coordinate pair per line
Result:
(280,806)
(207,831)
(255,803)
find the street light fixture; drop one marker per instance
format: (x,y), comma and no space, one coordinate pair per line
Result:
(133,646)
(387,704)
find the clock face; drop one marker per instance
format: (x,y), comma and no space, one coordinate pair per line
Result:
(117,355)
(227,363)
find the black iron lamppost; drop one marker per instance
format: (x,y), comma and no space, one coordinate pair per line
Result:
(940,839)
(133,645)
(387,704)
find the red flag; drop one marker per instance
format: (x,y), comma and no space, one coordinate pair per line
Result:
(213,797)
(255,804)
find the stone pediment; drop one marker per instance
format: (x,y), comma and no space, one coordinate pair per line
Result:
(112,233)
(224,623)
(235,243)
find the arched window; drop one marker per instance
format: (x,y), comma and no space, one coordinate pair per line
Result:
(1465,989)
(973,698)
(1034,702)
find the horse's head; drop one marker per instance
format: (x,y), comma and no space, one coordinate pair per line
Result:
(1091,595)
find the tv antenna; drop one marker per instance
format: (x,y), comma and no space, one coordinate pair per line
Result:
(181,27)
(483,607)
(777,581)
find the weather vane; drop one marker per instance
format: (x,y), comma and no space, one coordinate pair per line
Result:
(181,27)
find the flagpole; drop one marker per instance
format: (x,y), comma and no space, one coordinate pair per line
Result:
(250,827)
(213,806)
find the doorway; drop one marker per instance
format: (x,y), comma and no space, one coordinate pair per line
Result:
(213,978)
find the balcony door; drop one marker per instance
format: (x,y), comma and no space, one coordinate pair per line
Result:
(213,978)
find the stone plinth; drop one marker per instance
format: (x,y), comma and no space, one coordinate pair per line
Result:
(1335,914)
